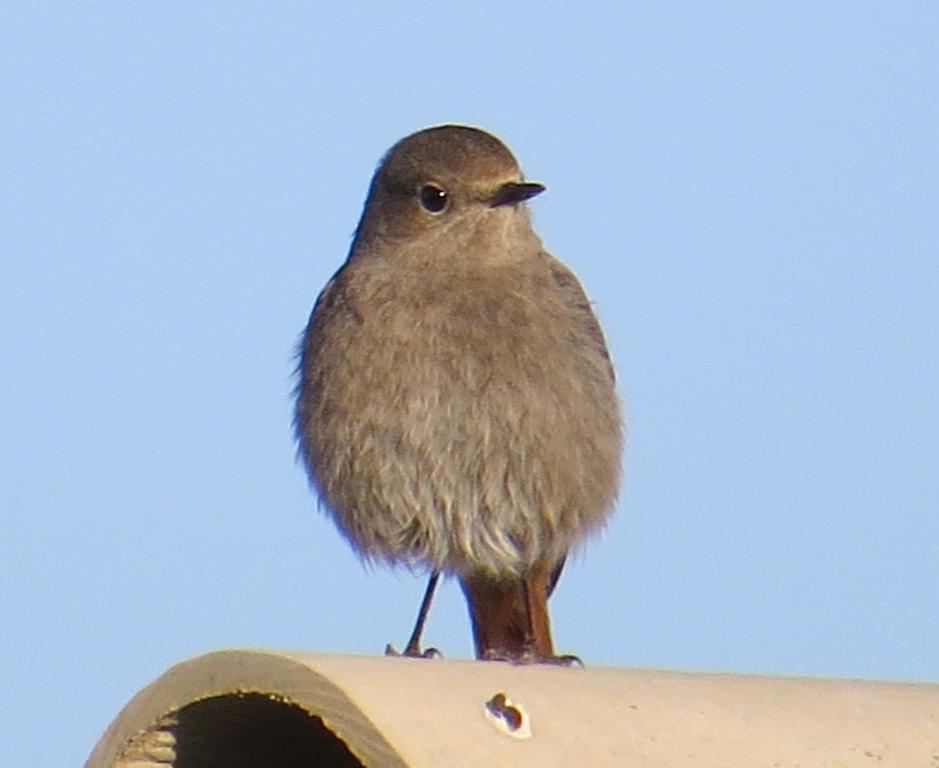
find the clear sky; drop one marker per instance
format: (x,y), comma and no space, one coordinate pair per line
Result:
(749,192)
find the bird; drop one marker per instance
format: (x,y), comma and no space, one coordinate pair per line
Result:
(456,407)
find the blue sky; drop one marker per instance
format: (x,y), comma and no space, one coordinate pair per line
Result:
(747,190)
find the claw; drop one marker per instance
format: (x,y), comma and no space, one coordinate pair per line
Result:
(413,653)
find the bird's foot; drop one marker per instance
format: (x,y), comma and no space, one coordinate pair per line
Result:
(413,652)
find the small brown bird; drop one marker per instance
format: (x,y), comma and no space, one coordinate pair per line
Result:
(456,408)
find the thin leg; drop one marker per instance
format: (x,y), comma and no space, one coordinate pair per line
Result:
(413,648)
(414,644)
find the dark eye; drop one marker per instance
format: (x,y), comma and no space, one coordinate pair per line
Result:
(433,198)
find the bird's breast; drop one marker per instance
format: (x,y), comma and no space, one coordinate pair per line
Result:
(465,334)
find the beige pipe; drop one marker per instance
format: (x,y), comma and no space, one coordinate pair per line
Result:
(247,708)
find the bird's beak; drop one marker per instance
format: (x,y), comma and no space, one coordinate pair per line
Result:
(515,192)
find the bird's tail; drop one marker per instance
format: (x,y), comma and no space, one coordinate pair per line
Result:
(510,614)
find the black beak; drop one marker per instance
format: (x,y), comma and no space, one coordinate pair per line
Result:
(515,192)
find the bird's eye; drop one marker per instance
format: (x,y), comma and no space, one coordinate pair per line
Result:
(433,198)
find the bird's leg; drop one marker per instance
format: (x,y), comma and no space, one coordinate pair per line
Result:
(414,643)
(413,648)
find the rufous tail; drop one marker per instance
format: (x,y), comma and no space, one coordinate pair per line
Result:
(509,614)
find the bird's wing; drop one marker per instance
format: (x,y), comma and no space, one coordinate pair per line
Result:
(577,299)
